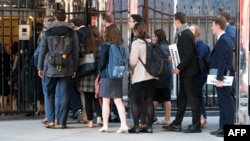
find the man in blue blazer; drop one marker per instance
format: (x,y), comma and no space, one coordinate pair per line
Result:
(221,59)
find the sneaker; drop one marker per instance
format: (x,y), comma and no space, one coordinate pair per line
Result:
(76,114)
(115,120)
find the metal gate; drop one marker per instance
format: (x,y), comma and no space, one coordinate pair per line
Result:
(19,81)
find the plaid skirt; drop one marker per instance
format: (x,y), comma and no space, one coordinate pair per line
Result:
(86,83)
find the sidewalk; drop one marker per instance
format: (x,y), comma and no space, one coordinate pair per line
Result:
(33,130)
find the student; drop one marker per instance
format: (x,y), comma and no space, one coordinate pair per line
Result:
(221,59)
(142,88)
(111,89)
(164,85)
(54,73)
(201,78)
(187,71)
(86,84)
(132,20)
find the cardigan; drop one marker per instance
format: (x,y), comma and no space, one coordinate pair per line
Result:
(139,73)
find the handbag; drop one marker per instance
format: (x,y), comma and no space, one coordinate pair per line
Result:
(87,65)
(97,88)
(202,63)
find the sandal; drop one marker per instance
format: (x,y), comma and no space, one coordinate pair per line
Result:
(143,125)
(90,124)
(155,119)
(57,122)
(49,125)
(44,121)
(203,124)
(63,126)
(163,122)
(99,121)
(83,121)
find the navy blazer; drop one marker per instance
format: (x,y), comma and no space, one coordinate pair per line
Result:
(104,58)
(221,56)
(188,57)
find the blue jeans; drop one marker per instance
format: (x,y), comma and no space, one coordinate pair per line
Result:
(63,86)
(45,99)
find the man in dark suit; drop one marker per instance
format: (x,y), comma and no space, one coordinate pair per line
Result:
(221,59)
(187,70)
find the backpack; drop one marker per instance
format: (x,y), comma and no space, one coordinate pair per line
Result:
(203,62)
(156,62)
(117,64)
(59,51)
(207,56)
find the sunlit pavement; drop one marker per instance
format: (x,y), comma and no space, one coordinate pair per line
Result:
(33,130)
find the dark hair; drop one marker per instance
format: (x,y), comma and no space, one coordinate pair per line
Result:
(60,14)
(161,35)
(181,17)
(108,16)
(14,48)
(92,40)
(52,19)
(141,28)
(226,15)
(39,27)
(221,21)
(77,21)
(136,17)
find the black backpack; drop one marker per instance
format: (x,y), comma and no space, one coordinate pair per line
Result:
(156,62)
(59,50)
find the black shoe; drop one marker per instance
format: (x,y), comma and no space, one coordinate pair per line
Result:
(147,130)
(220,133)
(116,120)
(28,114)
(215,132)
(192,129)
(172,127)
(134,130)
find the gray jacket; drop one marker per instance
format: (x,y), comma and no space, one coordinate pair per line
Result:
(53,31)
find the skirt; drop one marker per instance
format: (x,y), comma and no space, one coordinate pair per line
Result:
(110,88)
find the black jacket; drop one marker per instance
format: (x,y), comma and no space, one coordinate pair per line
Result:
(188,58)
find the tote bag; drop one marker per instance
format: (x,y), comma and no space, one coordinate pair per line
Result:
(87,65)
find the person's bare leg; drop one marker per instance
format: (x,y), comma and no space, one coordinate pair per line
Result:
(167,107)
(105,114)
(203,121)
(84,114)
(122,114)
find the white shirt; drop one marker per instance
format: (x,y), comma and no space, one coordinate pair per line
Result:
(219,35)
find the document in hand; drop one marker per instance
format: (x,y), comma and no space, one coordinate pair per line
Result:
(211,78)
(175,55)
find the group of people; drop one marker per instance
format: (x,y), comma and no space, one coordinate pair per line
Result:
(146,91)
